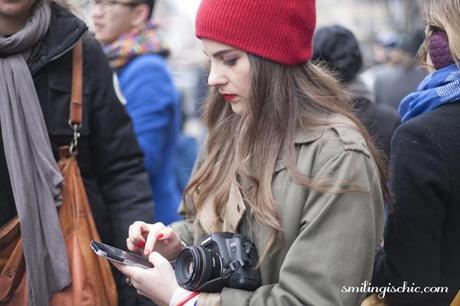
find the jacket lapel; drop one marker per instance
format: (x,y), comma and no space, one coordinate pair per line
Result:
(235,210)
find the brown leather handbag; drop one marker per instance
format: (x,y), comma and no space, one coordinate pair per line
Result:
(92,280)
(373,300)
(456,301)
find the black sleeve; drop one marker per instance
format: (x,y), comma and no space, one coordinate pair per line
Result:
(413,232)
(117,159)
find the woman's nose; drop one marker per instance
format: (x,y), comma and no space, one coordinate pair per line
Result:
(216,78)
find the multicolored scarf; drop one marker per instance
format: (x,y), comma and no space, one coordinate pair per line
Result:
(142,40)
(439,88)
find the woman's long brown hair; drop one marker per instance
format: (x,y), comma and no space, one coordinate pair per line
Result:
(283,100)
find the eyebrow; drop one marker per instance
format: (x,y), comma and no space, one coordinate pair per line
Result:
(219,53)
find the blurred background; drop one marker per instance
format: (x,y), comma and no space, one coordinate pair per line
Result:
(370,20)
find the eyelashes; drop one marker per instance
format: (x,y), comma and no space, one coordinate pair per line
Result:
(228,62)
(231,62)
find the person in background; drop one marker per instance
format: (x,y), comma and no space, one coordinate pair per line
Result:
(286,164)
(339,50)
(138,58)
(36,42)
(381,52)
(186,154)
(422,233)
(402,74)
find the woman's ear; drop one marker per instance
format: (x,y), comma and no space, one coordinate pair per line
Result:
(438,49)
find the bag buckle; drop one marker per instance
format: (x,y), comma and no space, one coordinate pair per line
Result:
(73,147)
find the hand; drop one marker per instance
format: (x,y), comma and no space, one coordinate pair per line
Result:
(153,237)
(157,284)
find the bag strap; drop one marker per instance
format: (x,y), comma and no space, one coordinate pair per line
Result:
(76,97)
(456,301)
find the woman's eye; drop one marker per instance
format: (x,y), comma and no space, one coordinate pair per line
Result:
(231,61)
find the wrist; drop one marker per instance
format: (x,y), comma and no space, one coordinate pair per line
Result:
(183,297)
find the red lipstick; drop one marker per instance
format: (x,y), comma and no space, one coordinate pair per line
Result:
(229,98)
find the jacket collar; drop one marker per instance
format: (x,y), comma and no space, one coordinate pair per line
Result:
(302,137)
(310,135)
(64,31)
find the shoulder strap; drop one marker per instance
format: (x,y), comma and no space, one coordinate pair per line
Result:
(76,101)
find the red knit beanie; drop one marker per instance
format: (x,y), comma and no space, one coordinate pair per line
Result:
(278,30)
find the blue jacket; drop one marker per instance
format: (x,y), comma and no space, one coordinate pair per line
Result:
(153,104)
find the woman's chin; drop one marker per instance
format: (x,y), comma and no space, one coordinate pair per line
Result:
(237,108)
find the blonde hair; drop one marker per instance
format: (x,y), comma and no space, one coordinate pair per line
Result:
(442,15)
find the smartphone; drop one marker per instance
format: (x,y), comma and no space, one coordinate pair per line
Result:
(119,255)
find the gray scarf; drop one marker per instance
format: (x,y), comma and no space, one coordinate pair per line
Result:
(35,177)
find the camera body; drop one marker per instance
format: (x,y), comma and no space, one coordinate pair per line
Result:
(221,260)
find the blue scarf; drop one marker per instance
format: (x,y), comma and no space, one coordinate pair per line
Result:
(439,88)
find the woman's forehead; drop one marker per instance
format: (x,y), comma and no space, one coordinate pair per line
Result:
(212,47)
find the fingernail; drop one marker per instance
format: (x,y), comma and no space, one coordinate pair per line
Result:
(146,252)
(141,244)
(160,236)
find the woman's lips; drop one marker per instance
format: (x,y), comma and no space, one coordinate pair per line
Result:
(229,97)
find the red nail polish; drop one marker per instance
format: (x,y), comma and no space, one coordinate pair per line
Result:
(141,244)
(160,236)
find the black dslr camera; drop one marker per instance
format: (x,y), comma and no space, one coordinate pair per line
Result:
(221,260)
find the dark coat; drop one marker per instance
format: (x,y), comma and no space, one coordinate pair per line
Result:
(109,157)
(422,235)
(380,120)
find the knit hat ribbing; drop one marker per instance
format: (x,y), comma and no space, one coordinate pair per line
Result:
(280,31)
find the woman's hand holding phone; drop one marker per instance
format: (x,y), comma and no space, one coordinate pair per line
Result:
(158,283)
(147,238)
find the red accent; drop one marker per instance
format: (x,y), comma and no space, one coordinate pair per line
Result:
(187,298)
(160,236)
(230,97)
(141,244)
(280,31)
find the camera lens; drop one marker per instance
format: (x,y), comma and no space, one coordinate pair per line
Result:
(195,266)
(191,267)
(185,265)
